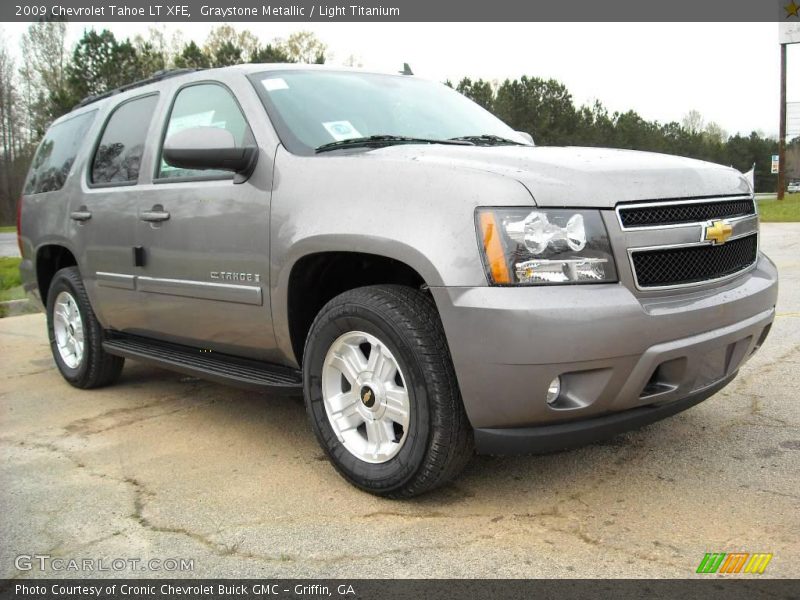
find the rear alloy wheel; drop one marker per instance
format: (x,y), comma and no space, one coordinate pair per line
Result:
(68,330)
(381,392)
(76,336)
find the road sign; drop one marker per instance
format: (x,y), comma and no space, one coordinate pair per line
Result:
(774,164)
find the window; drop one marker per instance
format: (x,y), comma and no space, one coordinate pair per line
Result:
(312,108)
(205,105)
(119,155)
(53,160)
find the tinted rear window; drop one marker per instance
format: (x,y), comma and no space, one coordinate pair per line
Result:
(56,153)
(119,154)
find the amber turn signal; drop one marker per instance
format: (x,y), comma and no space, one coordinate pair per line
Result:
(493,248)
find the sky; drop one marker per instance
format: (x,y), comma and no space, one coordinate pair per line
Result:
(727,71)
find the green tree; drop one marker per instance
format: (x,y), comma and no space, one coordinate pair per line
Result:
(478,91)
(225,46)
(101,63)
(150,58)
(715,134)
(192,57)
(44,75)
(271,53)
(93,69)
(305,47)
(595,127)
(742,151)
(693,121)
(226,54)
(543,108)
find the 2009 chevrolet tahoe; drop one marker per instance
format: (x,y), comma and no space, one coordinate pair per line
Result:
(431,280)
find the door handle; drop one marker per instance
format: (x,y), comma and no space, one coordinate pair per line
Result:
(82,214)
(155,214)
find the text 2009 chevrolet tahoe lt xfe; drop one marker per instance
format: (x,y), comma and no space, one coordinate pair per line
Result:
(432,281)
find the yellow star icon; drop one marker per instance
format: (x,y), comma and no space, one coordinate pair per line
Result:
(792,9)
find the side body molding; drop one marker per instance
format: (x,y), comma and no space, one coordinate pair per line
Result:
(205,290)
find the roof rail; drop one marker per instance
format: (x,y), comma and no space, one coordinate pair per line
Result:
(157,76)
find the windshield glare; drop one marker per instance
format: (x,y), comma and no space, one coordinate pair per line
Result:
(313,108)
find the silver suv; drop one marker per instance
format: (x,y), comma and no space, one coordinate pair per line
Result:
(431,281)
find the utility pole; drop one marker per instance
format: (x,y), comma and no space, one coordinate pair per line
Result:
(782,128)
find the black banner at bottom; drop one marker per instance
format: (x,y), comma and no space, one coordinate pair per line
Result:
(712,588)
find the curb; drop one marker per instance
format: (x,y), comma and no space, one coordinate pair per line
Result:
(13,308)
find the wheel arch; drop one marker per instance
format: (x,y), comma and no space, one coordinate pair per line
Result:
(51,258)
(317,277)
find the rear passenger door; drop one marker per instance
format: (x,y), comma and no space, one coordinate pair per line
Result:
(104,215)
(205,277)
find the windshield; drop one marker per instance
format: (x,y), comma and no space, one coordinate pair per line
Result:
(313,108)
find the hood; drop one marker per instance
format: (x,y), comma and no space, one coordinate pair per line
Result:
(583,177)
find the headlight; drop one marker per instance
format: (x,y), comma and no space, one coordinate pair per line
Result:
(543,246)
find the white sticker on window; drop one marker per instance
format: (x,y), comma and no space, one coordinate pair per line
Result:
(274,83)
(341,130)
(202,119)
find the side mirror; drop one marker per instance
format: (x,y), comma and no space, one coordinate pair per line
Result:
(210,148)
(528,137)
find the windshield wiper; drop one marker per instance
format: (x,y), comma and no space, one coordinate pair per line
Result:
(386,140)
(487,140)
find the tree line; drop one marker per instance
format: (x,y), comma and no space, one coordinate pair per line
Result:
(546,109)
(52,77)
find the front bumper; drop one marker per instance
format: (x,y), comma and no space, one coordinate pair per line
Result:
(562,436)
(615,352)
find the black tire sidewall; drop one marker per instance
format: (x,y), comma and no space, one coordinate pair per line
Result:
(62,283)
(396,472)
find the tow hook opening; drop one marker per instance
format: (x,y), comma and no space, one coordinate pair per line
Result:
(665,378)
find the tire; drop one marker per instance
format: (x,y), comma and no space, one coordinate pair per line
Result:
(434,442)
(67,302)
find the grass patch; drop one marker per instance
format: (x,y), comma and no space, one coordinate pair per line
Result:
(11,288)
(8,229)
(9,273)
(15,293)
(780,211)
(10,281)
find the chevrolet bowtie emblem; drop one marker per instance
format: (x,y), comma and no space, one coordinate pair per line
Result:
(717,232)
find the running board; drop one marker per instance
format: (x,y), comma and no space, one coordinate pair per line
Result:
(221,368)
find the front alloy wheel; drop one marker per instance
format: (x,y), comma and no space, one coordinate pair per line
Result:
(365,397)
(381,393)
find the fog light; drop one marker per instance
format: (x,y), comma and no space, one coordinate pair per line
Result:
(553,391)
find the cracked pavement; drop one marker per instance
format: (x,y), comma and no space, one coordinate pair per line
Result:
(165,466)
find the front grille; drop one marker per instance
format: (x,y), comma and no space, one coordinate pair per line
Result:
(690,212)
(693,264)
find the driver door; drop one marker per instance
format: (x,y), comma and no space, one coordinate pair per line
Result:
(204,280)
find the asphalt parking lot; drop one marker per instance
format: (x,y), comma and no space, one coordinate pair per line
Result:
(164,466)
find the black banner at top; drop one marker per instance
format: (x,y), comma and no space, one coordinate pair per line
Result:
(400,10)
